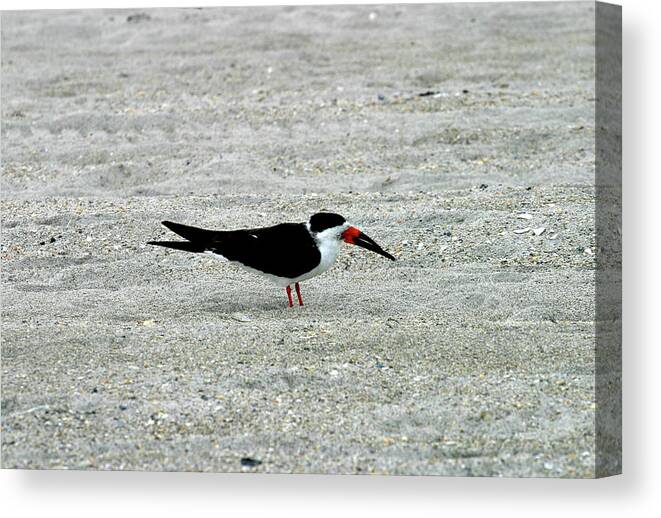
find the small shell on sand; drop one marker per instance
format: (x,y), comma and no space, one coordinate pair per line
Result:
(538,231)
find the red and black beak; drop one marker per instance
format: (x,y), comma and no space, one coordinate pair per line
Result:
(354,236)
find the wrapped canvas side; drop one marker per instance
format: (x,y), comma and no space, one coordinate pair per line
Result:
(608,218)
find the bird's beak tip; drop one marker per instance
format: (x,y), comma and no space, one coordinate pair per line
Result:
(355,237)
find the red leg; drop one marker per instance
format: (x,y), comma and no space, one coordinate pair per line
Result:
(298,293)
(291,302)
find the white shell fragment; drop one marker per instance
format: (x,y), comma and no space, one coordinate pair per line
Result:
(240,317)
(538,231)
(522,230)
(524,216)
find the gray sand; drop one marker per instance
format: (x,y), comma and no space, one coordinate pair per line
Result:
(473,354)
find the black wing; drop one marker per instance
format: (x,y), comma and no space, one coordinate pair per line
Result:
(285,250)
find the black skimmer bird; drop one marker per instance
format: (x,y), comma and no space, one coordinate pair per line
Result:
(287,254)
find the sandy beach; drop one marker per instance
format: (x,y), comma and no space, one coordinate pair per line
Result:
(459,137)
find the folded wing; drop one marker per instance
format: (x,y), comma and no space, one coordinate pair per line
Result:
(286,250)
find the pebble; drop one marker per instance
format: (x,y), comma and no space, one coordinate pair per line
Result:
(138,17)
(249,462)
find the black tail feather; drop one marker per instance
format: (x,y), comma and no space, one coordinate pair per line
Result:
(190,233)
(187,246)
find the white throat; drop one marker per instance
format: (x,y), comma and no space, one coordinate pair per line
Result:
(329,242)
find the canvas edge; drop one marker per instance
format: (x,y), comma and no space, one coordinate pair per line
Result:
(608,239)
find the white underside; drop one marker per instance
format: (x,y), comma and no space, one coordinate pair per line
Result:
(329,245)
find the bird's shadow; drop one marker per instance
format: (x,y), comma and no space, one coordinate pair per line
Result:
(275,307)
(219,306)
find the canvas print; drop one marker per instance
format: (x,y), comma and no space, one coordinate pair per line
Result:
(379,239)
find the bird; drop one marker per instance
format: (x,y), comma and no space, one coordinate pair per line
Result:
(287,253)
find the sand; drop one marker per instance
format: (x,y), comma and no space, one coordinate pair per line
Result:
(432,128)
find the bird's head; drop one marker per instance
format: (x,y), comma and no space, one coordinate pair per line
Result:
(327,225)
